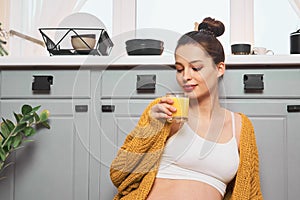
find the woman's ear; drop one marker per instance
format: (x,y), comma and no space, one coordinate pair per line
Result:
(196,24)
(221,69)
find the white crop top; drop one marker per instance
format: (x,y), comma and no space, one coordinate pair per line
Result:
(189,156)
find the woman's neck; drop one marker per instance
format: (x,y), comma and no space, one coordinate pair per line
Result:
(206,107)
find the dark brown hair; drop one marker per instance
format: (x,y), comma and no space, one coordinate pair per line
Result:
(206,36)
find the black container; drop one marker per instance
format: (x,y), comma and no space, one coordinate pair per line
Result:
(144,47)
(240,49)
(295,42)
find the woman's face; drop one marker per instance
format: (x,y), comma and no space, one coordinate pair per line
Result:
(196,72)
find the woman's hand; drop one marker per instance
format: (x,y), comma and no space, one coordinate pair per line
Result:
(163,110)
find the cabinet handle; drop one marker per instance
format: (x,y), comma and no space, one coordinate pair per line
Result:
(146,83)
(42,83)
(108,108)
(253,82)
(293,108)
(81,108)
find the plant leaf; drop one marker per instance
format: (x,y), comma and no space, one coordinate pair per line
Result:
(2,154)
(5,131)
(18,116)
(27,141)
(26,109)
(35,109)
(10,124)
(17,141)
(8,143)
(36,117)
(19,128)
(29,131)
(31,120)
(1,139)
(44,115)
(6,127)
(45,124)
(26,118)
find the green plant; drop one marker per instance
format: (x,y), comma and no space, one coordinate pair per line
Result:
(12,135)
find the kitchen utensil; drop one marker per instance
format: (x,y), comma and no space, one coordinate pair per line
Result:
(262,51)
(26,37)
(144,47)
(83,42)
(81,20)
(295,42)
(241,49)
(74,37)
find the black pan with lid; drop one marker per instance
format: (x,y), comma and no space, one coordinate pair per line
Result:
(295,42)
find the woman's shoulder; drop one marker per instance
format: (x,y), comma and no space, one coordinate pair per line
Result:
(245,120)
(242,125)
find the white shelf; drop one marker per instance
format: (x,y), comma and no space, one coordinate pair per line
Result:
(232,60)
(263,60)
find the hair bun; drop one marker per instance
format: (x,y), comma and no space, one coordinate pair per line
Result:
(209,24)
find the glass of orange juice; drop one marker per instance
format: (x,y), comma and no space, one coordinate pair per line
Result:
(181,103)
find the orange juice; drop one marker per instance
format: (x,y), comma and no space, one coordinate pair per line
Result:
(181,103)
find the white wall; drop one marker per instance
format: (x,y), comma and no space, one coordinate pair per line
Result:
(273,20)
(103,9)
(179,16)
(273,23)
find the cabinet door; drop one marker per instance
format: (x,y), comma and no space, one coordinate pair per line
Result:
(55,164)
(277,135)
(275,129)
(115,126)
(293,149)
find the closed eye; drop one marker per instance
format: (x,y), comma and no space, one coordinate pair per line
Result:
(179,70)
(196,69)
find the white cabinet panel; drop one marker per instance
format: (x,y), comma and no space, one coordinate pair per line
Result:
(115,126)
(125,83)
(270,119)
(277,83)
(64,84)
(56,164)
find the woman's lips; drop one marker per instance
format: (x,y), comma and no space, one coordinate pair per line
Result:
(189,87)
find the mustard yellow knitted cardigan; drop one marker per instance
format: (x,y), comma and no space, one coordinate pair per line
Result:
(134,169)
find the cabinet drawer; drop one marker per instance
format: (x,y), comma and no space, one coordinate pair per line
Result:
(138,83)
(45,84)
(260,83)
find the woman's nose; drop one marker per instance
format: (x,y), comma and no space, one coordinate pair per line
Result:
(187,75)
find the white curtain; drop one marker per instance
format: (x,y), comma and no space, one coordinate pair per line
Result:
(27,16)
(296,6)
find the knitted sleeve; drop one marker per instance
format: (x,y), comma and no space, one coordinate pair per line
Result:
(247,183)
(255,192)
(140,152)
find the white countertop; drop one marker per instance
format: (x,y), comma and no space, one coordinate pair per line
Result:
(75,60)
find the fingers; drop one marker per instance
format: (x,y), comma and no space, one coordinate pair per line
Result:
(164,109)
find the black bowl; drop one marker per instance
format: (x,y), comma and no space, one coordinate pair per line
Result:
(144,42)
(144,51)
(144,47)
(241,49)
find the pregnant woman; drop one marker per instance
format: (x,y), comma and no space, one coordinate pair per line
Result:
(211,156)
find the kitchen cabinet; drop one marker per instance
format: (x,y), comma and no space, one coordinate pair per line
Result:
(94,108)
(270,97)
(121,106)
(56,164)
(276,133)
(267,104)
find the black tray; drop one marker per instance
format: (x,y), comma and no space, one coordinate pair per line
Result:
(56,47)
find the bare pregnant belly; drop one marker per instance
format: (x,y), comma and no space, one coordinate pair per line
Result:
(170,189)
